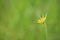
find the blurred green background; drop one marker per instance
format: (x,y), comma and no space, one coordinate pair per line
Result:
(18,19)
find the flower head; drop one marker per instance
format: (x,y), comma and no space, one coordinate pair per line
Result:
(42,20)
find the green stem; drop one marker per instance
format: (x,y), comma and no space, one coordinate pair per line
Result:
(44,32)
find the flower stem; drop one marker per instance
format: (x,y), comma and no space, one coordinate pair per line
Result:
(43,32)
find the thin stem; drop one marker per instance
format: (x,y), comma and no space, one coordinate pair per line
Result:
(44,32)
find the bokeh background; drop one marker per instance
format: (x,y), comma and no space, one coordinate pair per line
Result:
(18,19)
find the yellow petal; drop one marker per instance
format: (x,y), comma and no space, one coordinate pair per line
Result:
(42,20)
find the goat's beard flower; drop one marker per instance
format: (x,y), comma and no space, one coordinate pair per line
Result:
(42,20)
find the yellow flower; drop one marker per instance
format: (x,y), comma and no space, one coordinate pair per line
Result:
(42,20)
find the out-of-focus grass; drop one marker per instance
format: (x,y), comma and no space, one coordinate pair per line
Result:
(18,19)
